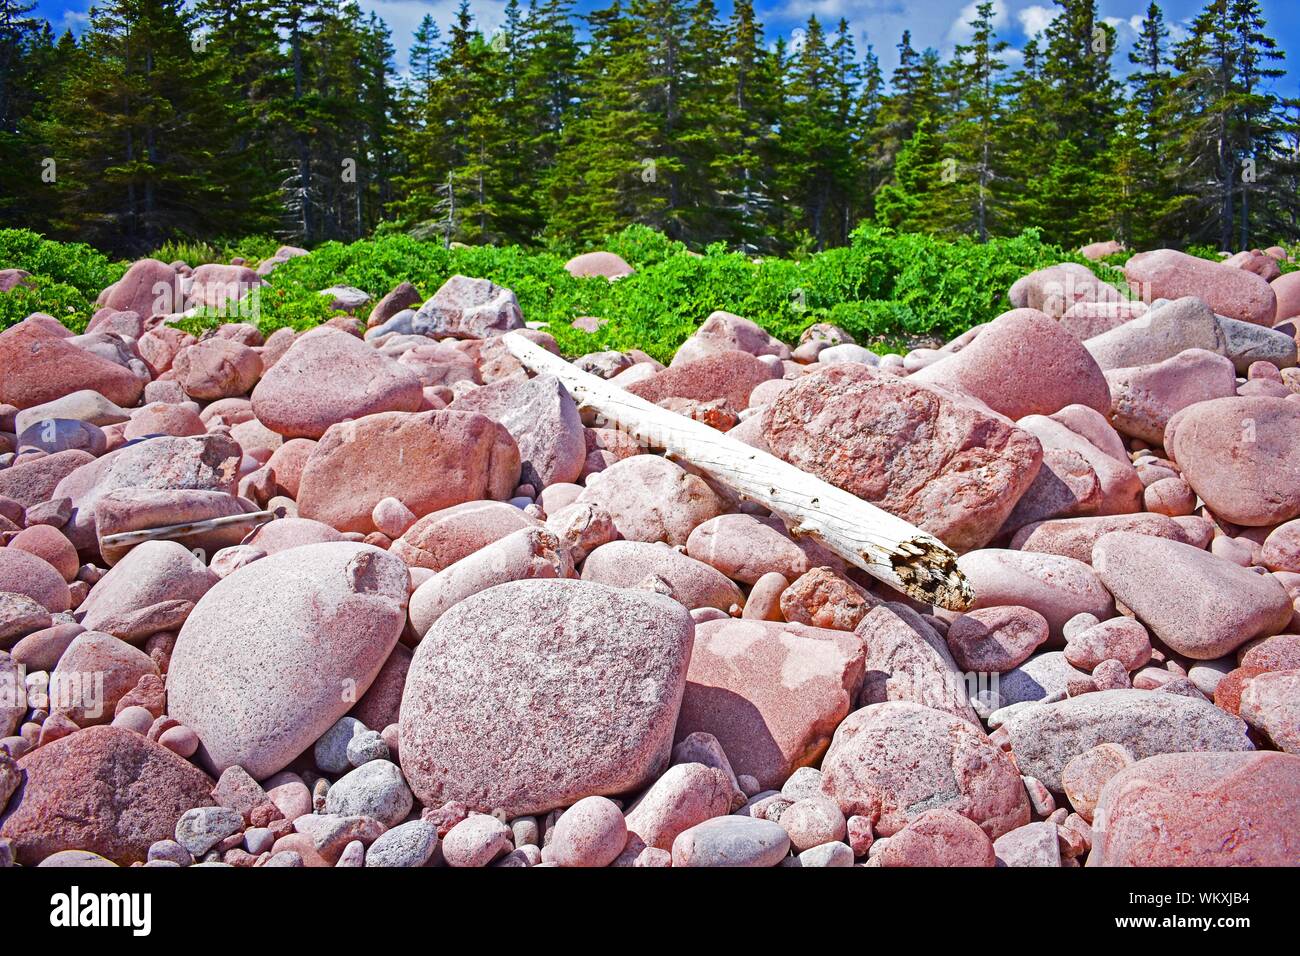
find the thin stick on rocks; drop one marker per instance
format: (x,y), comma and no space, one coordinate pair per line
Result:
(129,539)
(886,547)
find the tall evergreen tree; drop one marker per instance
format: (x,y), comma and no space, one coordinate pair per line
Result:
(138,129)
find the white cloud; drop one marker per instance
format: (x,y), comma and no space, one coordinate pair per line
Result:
(404,16)
(960,31)
(1034,19)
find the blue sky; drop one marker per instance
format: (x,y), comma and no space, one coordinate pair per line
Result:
(937,23)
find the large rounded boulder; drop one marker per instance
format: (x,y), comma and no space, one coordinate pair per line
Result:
(534,694)
(273,655)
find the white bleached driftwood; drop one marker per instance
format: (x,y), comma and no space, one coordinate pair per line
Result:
(129,539)
(886,547)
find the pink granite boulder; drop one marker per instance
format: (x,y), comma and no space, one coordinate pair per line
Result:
(152,589)
(1202,606)
(328,377)
(426,460)
(692,583)
(1238,454)
(939,837)
(1145,398)
(534,694)
(104,789)
(37,367)
(996,638)
(543,420)
(856,428)
(722,332)
(1023,363)
(652,499)
(892,762)
(729,375)
(1200,809)
(1236,293)
(277,652)
(1056,587)
(771,693)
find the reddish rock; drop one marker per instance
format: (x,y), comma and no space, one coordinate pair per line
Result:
(160,345)
(1169,274)
(591,833)
(605,265)
(532,661)
(523,555)
(163,419)
(444,537)
(1065,486)
(1056,587)
(723,332)
(93,674)
(1085,320)
(1278,653)
(1287,289)
(468,308)
(152,589)
(37,367)
(24,573)
(33,482)
(1083,776)
(857,429)
(1121,639)
(693,584)
(1227,693)
(687,794)
(542,419)
(1058,288)
(204,463)
(103,789)
(939,837)
(275,654)
(133,509)
(825,598)
(1200,605)
(1022,364)
(729,375)
(771,693)
(1143,399)
(403,296)
(996,638)
(1088,434)
(380,705)
(1238,455)
(50,546)
(1169,496)
(1270,703)
(745,547)
(426,460)
(652,499)
(891,762)
(1074,537)
(325,378)
(285,533)
(1047,737)
(908,660)
(148,288)
(287,462)
(218,368)
(1200,809)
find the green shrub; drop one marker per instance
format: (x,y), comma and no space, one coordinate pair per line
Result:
(68,277)
(884,288)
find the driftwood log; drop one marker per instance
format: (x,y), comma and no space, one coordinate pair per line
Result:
(886,547)
(169,532)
